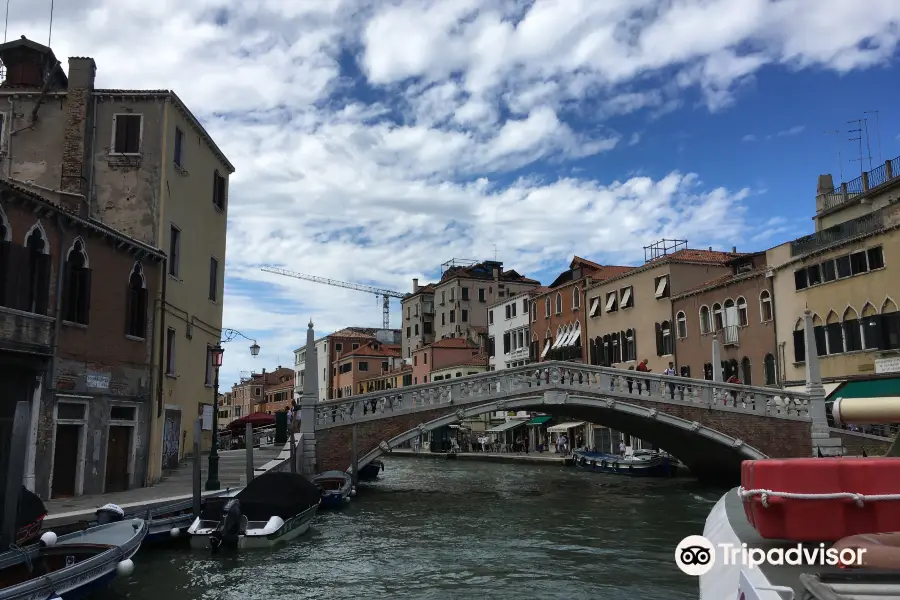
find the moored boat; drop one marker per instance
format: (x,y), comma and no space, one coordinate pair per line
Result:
(370,471)
(30,517)
(640,464)
(71,566)
(336,488)
(274,507)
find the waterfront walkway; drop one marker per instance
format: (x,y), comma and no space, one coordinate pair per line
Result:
(542,458)
(177,485)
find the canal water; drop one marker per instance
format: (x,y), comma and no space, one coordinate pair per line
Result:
(459,529)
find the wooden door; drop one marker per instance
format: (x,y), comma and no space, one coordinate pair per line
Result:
(118,449)
(65,460)
(171,439)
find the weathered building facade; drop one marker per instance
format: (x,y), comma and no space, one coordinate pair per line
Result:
(75,308)
(418,318)
(440,354)
(737,309)
(509,331)
(139,162)
(629,313)
(356,364)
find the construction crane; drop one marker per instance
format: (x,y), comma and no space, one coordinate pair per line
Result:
(386,295)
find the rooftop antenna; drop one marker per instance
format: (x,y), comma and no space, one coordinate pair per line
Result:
(837,147)
(495,252)
(50,33)
(858,138)
(6,25)
(877,131)
(868,147)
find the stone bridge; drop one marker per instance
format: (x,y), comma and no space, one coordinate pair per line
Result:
(710,425)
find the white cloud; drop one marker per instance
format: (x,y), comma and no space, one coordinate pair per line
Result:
(446,135)
(791,131)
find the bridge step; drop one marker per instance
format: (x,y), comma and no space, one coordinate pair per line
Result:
(833,451)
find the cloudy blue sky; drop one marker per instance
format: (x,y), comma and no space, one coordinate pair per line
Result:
(376,139)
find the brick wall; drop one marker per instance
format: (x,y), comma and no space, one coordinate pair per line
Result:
(74,150)
(854,444)
(777,438)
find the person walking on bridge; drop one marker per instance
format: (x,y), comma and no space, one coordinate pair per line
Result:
(643,368)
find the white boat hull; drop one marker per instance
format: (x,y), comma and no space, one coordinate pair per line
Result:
(258,535)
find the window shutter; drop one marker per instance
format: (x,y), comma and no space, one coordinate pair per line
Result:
(67,299)
(4,270)
(121,134)
(505,343)
(799,349)
(660,350)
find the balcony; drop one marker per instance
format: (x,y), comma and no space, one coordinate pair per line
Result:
(859,187)
(843,231)
(25,331)
(428,308)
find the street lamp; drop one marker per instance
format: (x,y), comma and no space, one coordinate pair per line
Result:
(216,354)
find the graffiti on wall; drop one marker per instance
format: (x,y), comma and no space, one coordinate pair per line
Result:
(171,439)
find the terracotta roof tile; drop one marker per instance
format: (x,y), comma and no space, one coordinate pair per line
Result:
(721,281)
(350,332)
(458,343)
(691,255)
(383,351)
(478,360)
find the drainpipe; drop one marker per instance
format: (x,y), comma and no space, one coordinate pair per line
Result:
(779,351)
(89,197)
(162,336)
(9,156)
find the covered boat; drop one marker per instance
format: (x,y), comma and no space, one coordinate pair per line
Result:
(274,507)
(370,471)
(336,487)
(71,566)
(30,517)
(643,463)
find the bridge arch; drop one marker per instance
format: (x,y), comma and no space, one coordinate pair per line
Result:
(710,454)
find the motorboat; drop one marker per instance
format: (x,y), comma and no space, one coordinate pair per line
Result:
(73,565)
(274,507)
(837,516)
(336,488)
(370,471)
(642,463)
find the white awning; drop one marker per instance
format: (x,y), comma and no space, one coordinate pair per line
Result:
(506,426)
(663,284)
(574,337)
(559,340)
(610,301)
(564,427)
(595,304)
(626,296)
(546,348)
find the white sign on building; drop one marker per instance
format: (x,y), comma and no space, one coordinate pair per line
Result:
(887,365)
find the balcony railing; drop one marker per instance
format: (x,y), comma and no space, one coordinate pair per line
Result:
(730,336)
(861,186)
(840,232)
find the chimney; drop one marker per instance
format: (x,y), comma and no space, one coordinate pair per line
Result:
(415,284)
(734,249)
(75,149)
(710,248)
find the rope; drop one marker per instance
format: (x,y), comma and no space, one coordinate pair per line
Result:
(859,499)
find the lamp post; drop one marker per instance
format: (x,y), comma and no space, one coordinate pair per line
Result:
(216,353)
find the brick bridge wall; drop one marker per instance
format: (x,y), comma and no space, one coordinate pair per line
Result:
(777,438)
(855,444)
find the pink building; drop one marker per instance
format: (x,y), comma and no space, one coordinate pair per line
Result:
(440,354)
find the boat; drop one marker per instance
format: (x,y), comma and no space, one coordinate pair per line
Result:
(643,463)
(274,507)
(370,471)
(30,517)
(71,566)
(834,521)
(336,487)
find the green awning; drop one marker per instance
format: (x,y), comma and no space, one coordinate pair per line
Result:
(885,387)
(539,420)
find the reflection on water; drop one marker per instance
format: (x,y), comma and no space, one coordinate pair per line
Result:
(439,529)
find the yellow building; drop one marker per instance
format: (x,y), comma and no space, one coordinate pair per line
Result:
(846,275)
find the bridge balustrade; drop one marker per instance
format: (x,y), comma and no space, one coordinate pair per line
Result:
(572,378)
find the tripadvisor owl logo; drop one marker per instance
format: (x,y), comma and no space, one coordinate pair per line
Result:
(695,555)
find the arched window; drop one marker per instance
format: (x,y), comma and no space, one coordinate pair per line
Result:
(819,335)
(136,303)
(558,303)
(707,371)
(630,350)
(770,369)
(5,245)
(718,319)
(705,322)
(799,342)
(576,298)
(30,271)
(890,325)
(533,312)
(834,334)
(731,369)
(616,354)
(667,345)
(681,325)
(852,329)
(745,371)
(765,306)
(76,294)
(547,307)
(743,317)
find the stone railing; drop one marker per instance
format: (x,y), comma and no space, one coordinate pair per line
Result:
(575,379)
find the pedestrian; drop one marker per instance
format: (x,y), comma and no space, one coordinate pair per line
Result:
(643,368)
(734,379)
(621,448)
(671,373)
(630,381)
